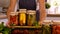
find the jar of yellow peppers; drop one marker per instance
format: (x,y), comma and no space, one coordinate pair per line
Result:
(22,17)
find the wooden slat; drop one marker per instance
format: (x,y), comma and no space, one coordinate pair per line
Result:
(26,26)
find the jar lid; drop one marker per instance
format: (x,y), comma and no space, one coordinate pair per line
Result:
(56,20)
(31,12)
(47,22)
(14,13)
(22,11)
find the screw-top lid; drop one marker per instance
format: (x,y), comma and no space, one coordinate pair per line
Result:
(14,13)
(22,11)
(31,12)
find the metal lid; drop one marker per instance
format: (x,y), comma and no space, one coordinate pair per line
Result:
(22,11)
(31,12)
(14,13)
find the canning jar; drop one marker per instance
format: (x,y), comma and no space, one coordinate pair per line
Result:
(31,17)
(14,18)
(22,17)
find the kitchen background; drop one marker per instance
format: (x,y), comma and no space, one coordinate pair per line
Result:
(54,9)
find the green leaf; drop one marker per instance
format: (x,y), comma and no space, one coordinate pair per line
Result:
(6,30)
(1,26)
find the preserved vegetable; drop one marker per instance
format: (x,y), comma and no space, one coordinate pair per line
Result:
(22,16)
(14,18)
(31,17)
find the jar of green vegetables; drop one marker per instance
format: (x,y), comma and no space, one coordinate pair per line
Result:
(31,17)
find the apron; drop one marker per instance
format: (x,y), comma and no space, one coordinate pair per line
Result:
(29,5)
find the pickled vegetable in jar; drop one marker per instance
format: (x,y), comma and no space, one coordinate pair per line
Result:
(31,17)
(14,18)
(22,16)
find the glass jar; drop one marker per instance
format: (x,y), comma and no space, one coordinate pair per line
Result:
(22,17)
(31,17)
(14,18)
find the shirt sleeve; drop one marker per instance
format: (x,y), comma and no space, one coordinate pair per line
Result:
(16,6)
(37,6)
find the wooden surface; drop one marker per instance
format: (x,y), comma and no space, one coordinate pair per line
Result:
(26,26)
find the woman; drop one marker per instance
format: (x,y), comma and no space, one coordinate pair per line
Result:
(29,5)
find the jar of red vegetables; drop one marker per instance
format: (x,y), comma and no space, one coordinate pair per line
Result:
(22,17)
(14,18)
(31,17)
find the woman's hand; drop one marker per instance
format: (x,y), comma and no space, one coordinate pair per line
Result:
(11,8)
(8,25)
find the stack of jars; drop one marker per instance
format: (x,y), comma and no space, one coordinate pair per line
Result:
(23,17)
